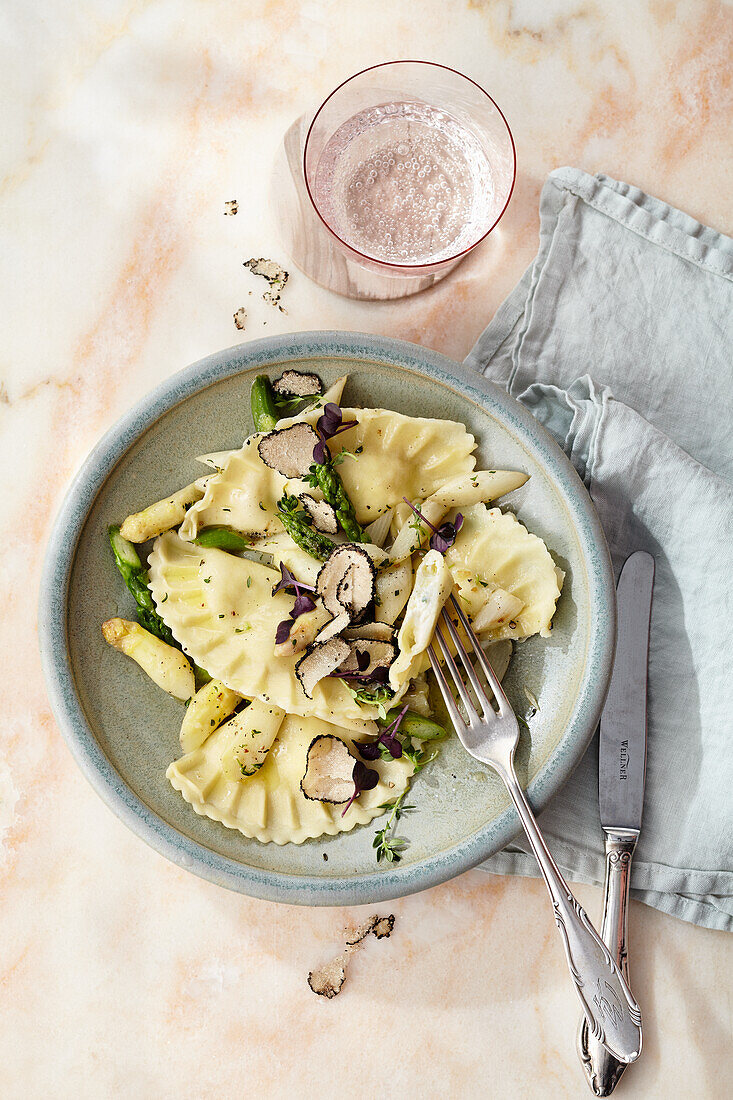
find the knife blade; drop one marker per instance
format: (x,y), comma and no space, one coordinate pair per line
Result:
(622,746)
(621,777)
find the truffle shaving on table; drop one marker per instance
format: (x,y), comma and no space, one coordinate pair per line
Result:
(328,980)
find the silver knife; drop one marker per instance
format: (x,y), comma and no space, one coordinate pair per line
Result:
(621,774)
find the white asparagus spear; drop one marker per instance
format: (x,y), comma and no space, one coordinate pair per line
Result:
(164,514)
(210,706)
(166,666)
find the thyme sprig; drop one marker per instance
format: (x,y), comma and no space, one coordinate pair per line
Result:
(388,846)
(379,697)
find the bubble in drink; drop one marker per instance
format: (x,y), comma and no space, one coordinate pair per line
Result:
(377,177)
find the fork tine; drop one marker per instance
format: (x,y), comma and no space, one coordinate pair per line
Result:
(457,679)
(501,699)
(476,684)
(455,715)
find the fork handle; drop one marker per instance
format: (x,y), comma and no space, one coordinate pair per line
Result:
(613,1014)
(602,1070)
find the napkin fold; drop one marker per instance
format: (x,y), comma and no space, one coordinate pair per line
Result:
(618,340)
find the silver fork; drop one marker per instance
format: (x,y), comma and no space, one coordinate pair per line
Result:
(613,1014)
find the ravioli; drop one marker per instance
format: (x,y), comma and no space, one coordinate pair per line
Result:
(400,456)
(222,611)
(242,495)
(269,805)
(496,548)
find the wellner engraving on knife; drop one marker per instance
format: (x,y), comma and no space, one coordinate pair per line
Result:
(623,770)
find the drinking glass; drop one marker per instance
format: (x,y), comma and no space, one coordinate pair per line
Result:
(399,173)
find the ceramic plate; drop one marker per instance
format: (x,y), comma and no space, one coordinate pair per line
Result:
(123,730)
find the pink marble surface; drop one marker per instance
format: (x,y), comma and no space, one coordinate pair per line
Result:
(126,126)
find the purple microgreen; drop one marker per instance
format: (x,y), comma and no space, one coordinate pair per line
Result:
(319,452)
(393,744)
(344,428)
(378,675)
(445,536)
(288,580)
(302,605)
(368,749)
(394,726)
(388,737)
(365,779)
(362,660)
(330,419)
(442,537)
(329,424)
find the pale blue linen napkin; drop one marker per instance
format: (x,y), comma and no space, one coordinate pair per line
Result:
(618,339)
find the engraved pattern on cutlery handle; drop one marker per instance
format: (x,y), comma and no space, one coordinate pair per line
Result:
(602,1070)
(607,1001)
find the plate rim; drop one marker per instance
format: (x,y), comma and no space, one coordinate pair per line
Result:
(396,880)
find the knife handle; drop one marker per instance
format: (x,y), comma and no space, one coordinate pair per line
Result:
(602,1070)
(603,992)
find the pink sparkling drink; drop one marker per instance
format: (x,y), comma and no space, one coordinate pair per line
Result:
(405,183)
(401,171)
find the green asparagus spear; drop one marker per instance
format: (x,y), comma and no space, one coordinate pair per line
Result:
(415,725)
(297,523)
(136,579)
(262,400)
(222,538)
(324,476)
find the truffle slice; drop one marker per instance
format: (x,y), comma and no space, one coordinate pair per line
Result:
(289,450)
(373,632)
(380,927)
(275,275)
(334,628)
(295,383)
(321,512)
(320,660)
(328,980)
(367,656)
(329,771)
(346,580)
(383,927)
